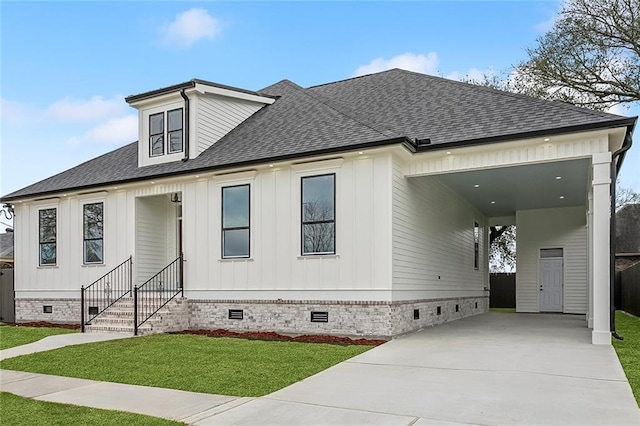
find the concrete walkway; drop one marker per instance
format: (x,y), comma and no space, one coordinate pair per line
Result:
(493,369)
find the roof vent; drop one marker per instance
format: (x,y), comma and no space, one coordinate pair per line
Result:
(421,142)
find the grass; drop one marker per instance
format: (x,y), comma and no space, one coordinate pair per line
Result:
(628,350)
(15,335)
(226,366)
(16,410)
(507,310)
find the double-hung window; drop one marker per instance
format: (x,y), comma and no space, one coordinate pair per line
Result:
(318,213)
(235,221)
(47,236)
(93,232)
(167,138)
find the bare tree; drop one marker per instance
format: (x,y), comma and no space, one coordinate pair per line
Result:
(590,57)
(318,227)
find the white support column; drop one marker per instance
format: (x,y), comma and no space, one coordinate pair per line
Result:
(601,333)
(590,261)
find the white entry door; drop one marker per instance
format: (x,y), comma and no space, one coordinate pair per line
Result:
(551,285)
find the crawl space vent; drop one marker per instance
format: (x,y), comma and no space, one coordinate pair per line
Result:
(47,309)
(319,316)
(416,314)
(236,314)
(93,310)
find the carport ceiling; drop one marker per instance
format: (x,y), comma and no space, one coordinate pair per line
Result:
(502,191)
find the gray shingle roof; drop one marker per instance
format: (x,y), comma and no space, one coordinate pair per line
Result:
(381,108)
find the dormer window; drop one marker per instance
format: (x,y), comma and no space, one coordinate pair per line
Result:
(167,138)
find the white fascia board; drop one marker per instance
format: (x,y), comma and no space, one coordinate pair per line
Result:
(160,99)
(204,89)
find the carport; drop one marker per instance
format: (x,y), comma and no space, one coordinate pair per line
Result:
(556,190)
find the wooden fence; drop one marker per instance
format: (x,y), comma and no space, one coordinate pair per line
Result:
(7,294)
(629,289)
(503,290)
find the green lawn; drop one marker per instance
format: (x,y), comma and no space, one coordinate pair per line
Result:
(16,410)
(16,335)
(628,350)
(226,366)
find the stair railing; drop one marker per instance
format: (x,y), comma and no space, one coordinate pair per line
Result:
(105,291)
(159,290)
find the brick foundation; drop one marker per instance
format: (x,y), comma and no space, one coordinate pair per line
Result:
(346,318)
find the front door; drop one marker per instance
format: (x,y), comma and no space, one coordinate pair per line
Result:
(551,285)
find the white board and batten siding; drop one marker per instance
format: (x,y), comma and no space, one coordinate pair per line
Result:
(156,235)
(552,228)
(66,277)
(433,241)
(360,269)
(216,116)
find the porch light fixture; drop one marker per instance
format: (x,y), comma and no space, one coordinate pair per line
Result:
(176,198)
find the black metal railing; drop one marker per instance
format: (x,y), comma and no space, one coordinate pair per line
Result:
(105,291)
(151,296)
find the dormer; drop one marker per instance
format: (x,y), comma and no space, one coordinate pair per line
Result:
(181,121)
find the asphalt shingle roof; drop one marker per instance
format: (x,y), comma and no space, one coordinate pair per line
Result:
(379,108)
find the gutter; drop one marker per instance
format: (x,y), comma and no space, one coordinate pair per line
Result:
(615,169)
(186,124)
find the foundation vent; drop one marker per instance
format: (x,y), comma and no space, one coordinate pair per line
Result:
(47,309)
(439,310)
(93,310)
(236,314)
(317,316)
(416,314)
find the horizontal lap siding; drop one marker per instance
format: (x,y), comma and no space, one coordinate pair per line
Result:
(551,228)
(217,115)
(433,240)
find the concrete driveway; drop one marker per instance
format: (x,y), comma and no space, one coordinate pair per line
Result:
(492,369)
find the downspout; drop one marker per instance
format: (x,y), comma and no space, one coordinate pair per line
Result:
(615,169)
(186,125)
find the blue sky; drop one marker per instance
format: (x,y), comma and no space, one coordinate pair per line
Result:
(66,67)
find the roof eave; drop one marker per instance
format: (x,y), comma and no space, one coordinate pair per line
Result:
(628,122)
(338,150)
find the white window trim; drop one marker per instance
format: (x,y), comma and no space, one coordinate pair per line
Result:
(223,181)
(310,169)
(52,203)
(99,197)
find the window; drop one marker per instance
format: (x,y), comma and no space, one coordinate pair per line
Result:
(157,132)
(476,245)
(318,214)
(235,221)
(47,236)
(92,217)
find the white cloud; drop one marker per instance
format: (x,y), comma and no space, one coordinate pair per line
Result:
(190,26)
(116,131)
(407,61)
(473,74)
(95,109)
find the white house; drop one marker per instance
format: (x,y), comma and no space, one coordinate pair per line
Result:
(358,207)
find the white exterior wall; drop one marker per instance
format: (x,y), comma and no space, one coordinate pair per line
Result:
(360,269)
(65,278)
(433,241)
(552,228)
(215,117)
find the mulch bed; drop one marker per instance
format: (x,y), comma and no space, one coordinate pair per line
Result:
(269,335)
(45,324)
